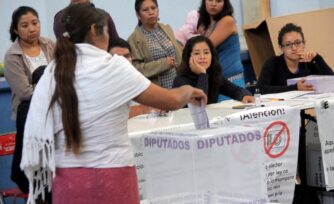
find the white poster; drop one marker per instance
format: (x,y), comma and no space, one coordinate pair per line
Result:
(225,164)
(280,140)
(325,118)
(137,141)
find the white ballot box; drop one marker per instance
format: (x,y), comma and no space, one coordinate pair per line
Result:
(321,83)
(225,164)
(247,157)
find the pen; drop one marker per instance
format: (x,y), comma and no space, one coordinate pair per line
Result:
(276,99)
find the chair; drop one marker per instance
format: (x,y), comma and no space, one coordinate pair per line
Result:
(12,193)
(7,145)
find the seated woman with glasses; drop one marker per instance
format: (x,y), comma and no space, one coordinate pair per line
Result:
(293,63)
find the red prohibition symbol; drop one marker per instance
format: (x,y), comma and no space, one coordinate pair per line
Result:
(276,139)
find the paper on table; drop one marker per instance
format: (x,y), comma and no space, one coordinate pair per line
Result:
(199,115)
(316,96)
(285,95)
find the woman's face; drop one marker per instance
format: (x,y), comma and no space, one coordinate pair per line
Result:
(28,28)
(293,45)
(214,7)
(201,54)
(148,13)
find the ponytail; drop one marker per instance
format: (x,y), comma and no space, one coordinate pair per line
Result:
(75,25)
(65,94)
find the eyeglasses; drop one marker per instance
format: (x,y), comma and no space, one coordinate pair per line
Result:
(297,44)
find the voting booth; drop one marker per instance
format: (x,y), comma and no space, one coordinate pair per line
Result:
(261,36)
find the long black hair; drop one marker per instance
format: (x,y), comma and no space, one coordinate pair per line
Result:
(22,10)
(214,70)
(204,16)
(75,26)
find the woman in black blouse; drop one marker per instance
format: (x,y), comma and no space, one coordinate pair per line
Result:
(200,68)
(293,63)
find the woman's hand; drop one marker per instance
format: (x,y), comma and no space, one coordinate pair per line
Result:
(303,86)
(195,67)
(248,99)
(307,57)
(198,97)
(171,99)
(171,62)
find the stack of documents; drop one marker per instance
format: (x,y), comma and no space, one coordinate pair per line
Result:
(321,83)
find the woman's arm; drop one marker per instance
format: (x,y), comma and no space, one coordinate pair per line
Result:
(152,68)
(140,59)
(231,90)
(267,74)
(224,28)
(321,66)
(170,99)
(18,79)
(202,82)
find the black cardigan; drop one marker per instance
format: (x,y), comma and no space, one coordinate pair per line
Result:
(275,72)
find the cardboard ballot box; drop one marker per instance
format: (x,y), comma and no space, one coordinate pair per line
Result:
(262,42)
(321,83)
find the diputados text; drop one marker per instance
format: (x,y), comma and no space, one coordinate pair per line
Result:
(202,143)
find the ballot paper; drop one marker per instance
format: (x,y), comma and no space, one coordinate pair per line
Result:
(321,83)
(199,115)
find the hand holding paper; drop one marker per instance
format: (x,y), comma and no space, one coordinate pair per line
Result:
(302,85)
(199,115)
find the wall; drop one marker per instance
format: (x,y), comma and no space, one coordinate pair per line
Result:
(285,7)
(171,12)
(6,9)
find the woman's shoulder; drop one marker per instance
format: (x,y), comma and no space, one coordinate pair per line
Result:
(181,80)
(274,60)
(45,40)
(135,34)
(165,26)
(58,15)
(14,49)
(226,20)
(227,24)
(47,45)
